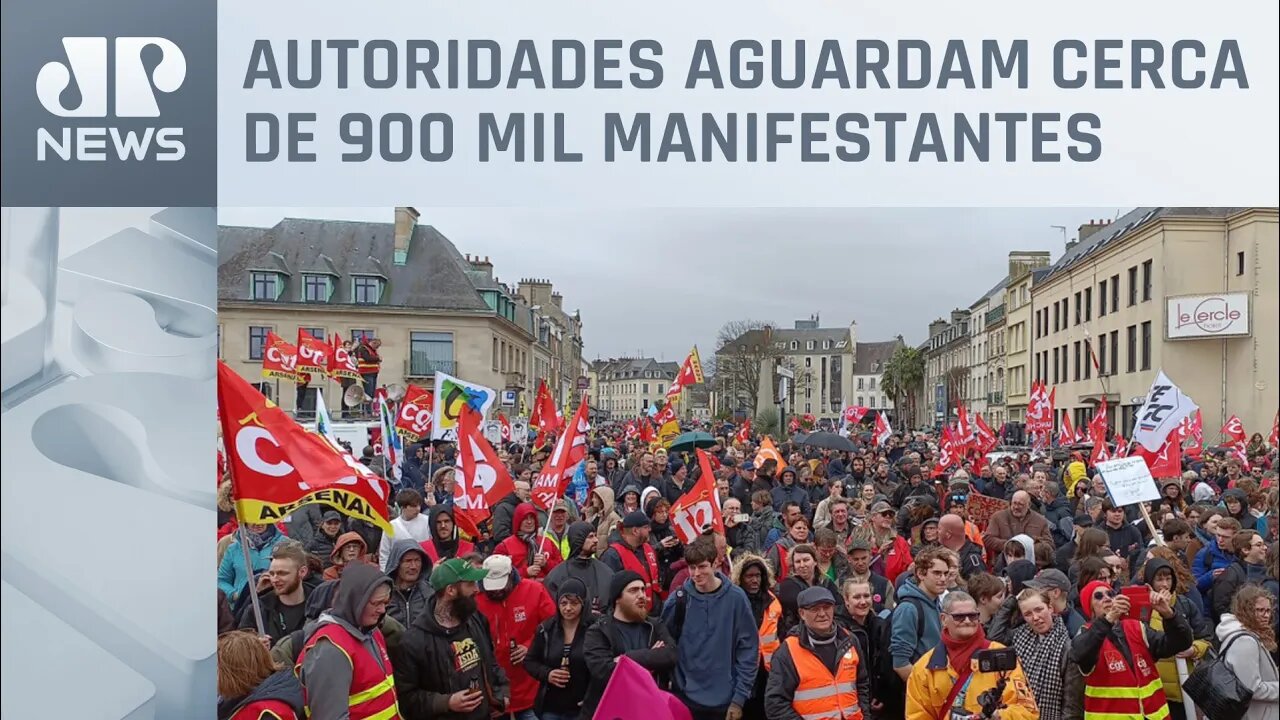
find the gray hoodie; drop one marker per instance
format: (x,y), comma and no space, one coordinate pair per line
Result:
(326,671)
(405,605)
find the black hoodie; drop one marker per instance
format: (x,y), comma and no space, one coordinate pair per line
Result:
(449,547)
(548,652)
(594,574)
(282,686)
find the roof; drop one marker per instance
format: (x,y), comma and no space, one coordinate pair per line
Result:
(633,368)
(800,337)
(875,354)
(990,293)
(1124,227)
(435,275)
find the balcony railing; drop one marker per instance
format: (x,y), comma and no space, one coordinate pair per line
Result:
(995,315)
(995,398)
(421,366)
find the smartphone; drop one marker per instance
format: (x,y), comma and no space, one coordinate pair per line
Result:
(742,518)
(1139,602)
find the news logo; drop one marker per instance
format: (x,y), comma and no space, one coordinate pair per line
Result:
(143,68)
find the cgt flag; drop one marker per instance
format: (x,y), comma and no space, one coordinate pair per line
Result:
(277,466)
(342,364)
(1161,414)
(417,410)
(697,510)
(279,358)
(313,354)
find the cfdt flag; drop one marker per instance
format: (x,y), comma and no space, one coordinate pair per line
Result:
(1163,411)
(277,466)
(451,396)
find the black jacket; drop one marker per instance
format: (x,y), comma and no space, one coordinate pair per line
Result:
(433,662)
(406,605)
(1125,540)
(593,573)
(784,679)
(272,616)
(547,653)
(604,642)
(971,559)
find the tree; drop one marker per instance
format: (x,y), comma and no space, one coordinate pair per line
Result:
(903,379)
(767,423)
(743,349)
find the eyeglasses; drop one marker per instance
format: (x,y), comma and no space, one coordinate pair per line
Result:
(964,617)
(1103,595)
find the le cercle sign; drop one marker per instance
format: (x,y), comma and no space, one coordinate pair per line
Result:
(1201,316)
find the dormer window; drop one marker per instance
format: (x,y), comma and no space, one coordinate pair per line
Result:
(809,345)
(366,290)
(826,344)
(316,288)
(265,285)
(794,345)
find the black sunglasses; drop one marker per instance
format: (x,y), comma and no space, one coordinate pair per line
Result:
(1103,595)
(965,617)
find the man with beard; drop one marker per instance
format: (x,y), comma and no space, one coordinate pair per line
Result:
(514,607)
(408,567)
(344,668)
(914,486)
(629,631)
(284,602)
(583,565)
(634,552)
(445,665)
(444,543)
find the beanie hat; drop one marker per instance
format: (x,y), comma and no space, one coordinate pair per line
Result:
(620,581)
(1086,596)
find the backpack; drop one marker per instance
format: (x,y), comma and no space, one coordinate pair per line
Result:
(677,619)
(885,679)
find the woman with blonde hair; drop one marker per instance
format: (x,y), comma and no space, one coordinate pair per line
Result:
(1247,639)
(250,686)
(1043,645)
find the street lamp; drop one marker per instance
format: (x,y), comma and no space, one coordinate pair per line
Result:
(1062,228)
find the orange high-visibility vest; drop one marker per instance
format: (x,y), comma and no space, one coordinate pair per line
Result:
(373,690)
(769,641)
(1116,690)
(820,694)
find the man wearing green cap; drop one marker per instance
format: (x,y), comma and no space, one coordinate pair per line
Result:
(445,665)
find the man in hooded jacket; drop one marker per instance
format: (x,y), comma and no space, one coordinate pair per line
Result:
(788,490)
(408,567)
(532,553)
(583,566)
(444,542)
(345,658)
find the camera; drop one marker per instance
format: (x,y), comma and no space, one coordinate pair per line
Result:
(1002,660)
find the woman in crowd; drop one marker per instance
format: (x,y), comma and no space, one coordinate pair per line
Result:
(250,687)
(1092,543)
(1248,641)
(779,555)
(1043,644)
(803,563)
(233,576)
(556,659)
(822,515)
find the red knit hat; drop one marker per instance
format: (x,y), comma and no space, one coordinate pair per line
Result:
(1086,596)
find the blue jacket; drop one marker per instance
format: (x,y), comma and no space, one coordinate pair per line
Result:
(232,577)
(715,626)
(904,644)
(1210,558)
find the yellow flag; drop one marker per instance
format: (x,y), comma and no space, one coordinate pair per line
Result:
(668,433)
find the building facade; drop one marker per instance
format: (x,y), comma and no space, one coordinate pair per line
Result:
(1192,291)
(1024,270)
(435,309)
(946,367)
(993,385)
(564,336)
(627,387)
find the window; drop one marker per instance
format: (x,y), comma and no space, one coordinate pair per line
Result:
(1132,365)
(808,408)
(1239,263)
(1056,326)
(1115,352)
(429,352)
(1146,345)
(264,286)
(809,345)
(1075,375)
(644,388)
(1056,377)
(1036,376)
(884,401)
(1088,359)
(808,362)
(860,387)
(358,335)
(1102,356)
(257,340)
(872,386)
(659,388)
(315,288)
(496,354)
(1133,286)
(366,290)
(1115,293)
(1077,322)
(1102,298)
(1088,304)
(860,400)
(808,392)
(1146,281)
(315,332)
(794,344)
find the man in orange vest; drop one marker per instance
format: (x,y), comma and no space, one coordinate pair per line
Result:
(817,673)
(368,363)
(1118,654)
(344,668)
(634,553)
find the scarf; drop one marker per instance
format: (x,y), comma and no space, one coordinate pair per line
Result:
(1042,657)
(257,541)
(960,652)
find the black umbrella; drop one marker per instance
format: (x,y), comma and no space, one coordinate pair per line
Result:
(829,441)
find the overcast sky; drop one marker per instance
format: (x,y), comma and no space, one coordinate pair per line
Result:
(657,281)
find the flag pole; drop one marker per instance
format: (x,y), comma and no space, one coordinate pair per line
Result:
(252,588)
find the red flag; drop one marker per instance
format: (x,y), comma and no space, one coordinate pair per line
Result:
(279,358)
(854,414)
(947,455)
(646,431)
(744,432)
(1167,463)
(665,415)
(1040,409)
(569,451)
(964,431)
(697,509)
(482,479)
(883,431)
(1066,435)
(985,437)
(313,354)
(277,466)
(416,412)
(1234,429)
(1122,446)
(342,364)
(506,427)
(1192,428)
(545,417)
(1098,423)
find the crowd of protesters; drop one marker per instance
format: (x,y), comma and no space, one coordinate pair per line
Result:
(845,585)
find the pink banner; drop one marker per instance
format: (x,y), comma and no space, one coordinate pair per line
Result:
(632,694)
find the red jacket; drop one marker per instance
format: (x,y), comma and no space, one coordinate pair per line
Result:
(517,618)
(517,548)
(898,559)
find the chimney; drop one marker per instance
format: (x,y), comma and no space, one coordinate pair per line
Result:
(557,300)
(406,222)
(957,316)
(1022,262)
(1091,227)
(937,326)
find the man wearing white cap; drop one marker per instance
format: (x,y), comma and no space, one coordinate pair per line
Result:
(514,608)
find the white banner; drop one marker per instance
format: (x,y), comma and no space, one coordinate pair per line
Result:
(1164,408)
(1128,481)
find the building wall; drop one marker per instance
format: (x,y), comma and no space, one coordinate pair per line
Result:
(1017,344)
(975,392)
(473,338)
(997,412)
(1188,256)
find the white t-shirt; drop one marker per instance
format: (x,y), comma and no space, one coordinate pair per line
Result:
(417,529)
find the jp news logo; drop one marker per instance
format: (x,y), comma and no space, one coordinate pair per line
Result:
(140,73)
